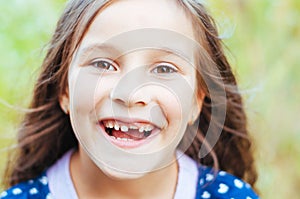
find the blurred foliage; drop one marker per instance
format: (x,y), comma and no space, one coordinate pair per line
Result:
(265,48)
(263,38)
(25,29)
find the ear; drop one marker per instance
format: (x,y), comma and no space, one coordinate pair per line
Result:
(64,103)
(197,107)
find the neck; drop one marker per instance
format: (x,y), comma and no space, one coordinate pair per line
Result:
(90,181)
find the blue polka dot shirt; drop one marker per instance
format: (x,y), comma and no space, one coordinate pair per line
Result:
(220,185)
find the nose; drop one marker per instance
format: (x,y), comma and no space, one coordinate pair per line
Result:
(131,90)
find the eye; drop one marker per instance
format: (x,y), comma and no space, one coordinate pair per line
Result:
(104,65)
(164,68)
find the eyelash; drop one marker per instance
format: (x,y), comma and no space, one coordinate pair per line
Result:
(108,65)
(167,68)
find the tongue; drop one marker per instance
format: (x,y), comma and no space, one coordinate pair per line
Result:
(131,134)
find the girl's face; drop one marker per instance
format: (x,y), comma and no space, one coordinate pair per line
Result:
(132,86)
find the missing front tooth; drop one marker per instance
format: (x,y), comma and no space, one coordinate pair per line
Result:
(147,133)
(109,131)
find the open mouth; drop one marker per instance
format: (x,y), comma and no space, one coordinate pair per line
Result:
(118,130)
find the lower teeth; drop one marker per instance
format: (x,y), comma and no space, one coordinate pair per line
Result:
(123,139)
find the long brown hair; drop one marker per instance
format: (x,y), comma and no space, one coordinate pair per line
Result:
(46,133)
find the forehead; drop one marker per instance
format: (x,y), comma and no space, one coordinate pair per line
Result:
(156,23)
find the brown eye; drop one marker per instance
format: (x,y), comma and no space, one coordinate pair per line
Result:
(164,69)
(104,65)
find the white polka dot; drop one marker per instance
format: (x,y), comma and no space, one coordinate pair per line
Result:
(248,186)
(33,191)
(209,177)
(3,194)
(248,197)
(222,173)
(201,182)
(16,191)
(223,188)
(44,180)
(49,196)
(239,184)
(30,181)
(206,194)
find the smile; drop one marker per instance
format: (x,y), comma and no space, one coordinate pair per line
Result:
(128,135)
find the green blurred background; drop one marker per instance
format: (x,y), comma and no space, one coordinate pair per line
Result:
(263,38)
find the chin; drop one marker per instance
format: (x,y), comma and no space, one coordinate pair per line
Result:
(121,175)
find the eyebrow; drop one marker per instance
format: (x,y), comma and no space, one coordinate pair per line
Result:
(110,49)
(98,47)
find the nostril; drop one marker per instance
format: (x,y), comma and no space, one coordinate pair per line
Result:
(130,100)
(140,103)
(119,101)
(130,103)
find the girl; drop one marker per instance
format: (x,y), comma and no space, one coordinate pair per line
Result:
(135,100)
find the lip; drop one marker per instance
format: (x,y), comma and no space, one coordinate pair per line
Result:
(136,121)
(129,144)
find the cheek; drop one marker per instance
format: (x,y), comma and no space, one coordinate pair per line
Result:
(83,86)
(177,99)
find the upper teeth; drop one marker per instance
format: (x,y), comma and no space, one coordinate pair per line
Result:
(125,128)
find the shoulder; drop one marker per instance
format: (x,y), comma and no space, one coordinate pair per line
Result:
(32,189)
(221,185)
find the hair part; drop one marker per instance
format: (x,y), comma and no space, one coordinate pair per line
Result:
(46,133)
